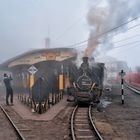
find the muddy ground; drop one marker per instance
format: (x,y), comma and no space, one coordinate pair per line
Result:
(117,121)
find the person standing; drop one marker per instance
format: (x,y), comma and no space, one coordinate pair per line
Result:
(9,90)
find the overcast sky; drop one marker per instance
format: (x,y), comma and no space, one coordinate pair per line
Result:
(24,25)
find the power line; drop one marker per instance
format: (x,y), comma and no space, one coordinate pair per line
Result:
(119,40)
(131,47)
(110,30)
(81,46)
(115,34)
(133,27)
(127,38)
(131,43)
(87,40)
(129,28)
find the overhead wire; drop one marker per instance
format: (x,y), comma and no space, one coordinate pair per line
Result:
(81,46)
(128,29)
(126,49)
(131,43)
(114,42)
(130,47)
(120,46)
(77,45)
(113,35)
(110,30)
(138,35)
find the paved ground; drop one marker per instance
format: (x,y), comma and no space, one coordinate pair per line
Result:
(25,112)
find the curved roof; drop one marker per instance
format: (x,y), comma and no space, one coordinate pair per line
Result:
(39,55)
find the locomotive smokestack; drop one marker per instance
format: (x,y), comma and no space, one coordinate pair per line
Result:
(85,64)
(85,59)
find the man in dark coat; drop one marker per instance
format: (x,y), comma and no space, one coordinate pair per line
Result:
(9,90)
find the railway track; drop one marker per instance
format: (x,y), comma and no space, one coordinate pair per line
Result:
(82,126)
(21,127)
(133,88)
(20,136)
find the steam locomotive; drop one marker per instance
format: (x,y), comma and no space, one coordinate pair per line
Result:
(87,82)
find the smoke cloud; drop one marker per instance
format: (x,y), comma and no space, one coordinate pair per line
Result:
(106,15)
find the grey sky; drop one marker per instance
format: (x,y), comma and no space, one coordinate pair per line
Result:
(130,50)
(24,25)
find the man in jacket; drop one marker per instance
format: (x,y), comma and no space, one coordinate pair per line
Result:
(9,90)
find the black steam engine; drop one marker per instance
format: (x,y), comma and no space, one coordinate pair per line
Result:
(87,81)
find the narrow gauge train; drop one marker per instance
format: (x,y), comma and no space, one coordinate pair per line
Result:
(87,82)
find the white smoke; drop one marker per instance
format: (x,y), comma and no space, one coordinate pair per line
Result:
(79,58)
(105,16)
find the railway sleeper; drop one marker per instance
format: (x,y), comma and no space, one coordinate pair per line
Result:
(81,120)
(29,137)
(82,126)
(88,132)
(91,137)
(24,129)
(82,116)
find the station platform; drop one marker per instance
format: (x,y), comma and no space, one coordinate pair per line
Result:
(26,113)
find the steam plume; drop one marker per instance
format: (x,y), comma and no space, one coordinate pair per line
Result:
(106,15)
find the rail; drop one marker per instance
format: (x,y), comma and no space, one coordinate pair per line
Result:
(12,123)
(73,131)
(72,123)
(133,88)
(93,125)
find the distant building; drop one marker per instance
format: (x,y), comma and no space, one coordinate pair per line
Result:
(113,66)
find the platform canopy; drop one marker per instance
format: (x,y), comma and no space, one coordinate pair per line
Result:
(40,55)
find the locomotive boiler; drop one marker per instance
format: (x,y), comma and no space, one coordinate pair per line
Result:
(87,82)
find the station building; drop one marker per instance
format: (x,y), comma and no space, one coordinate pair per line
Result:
(28,67)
